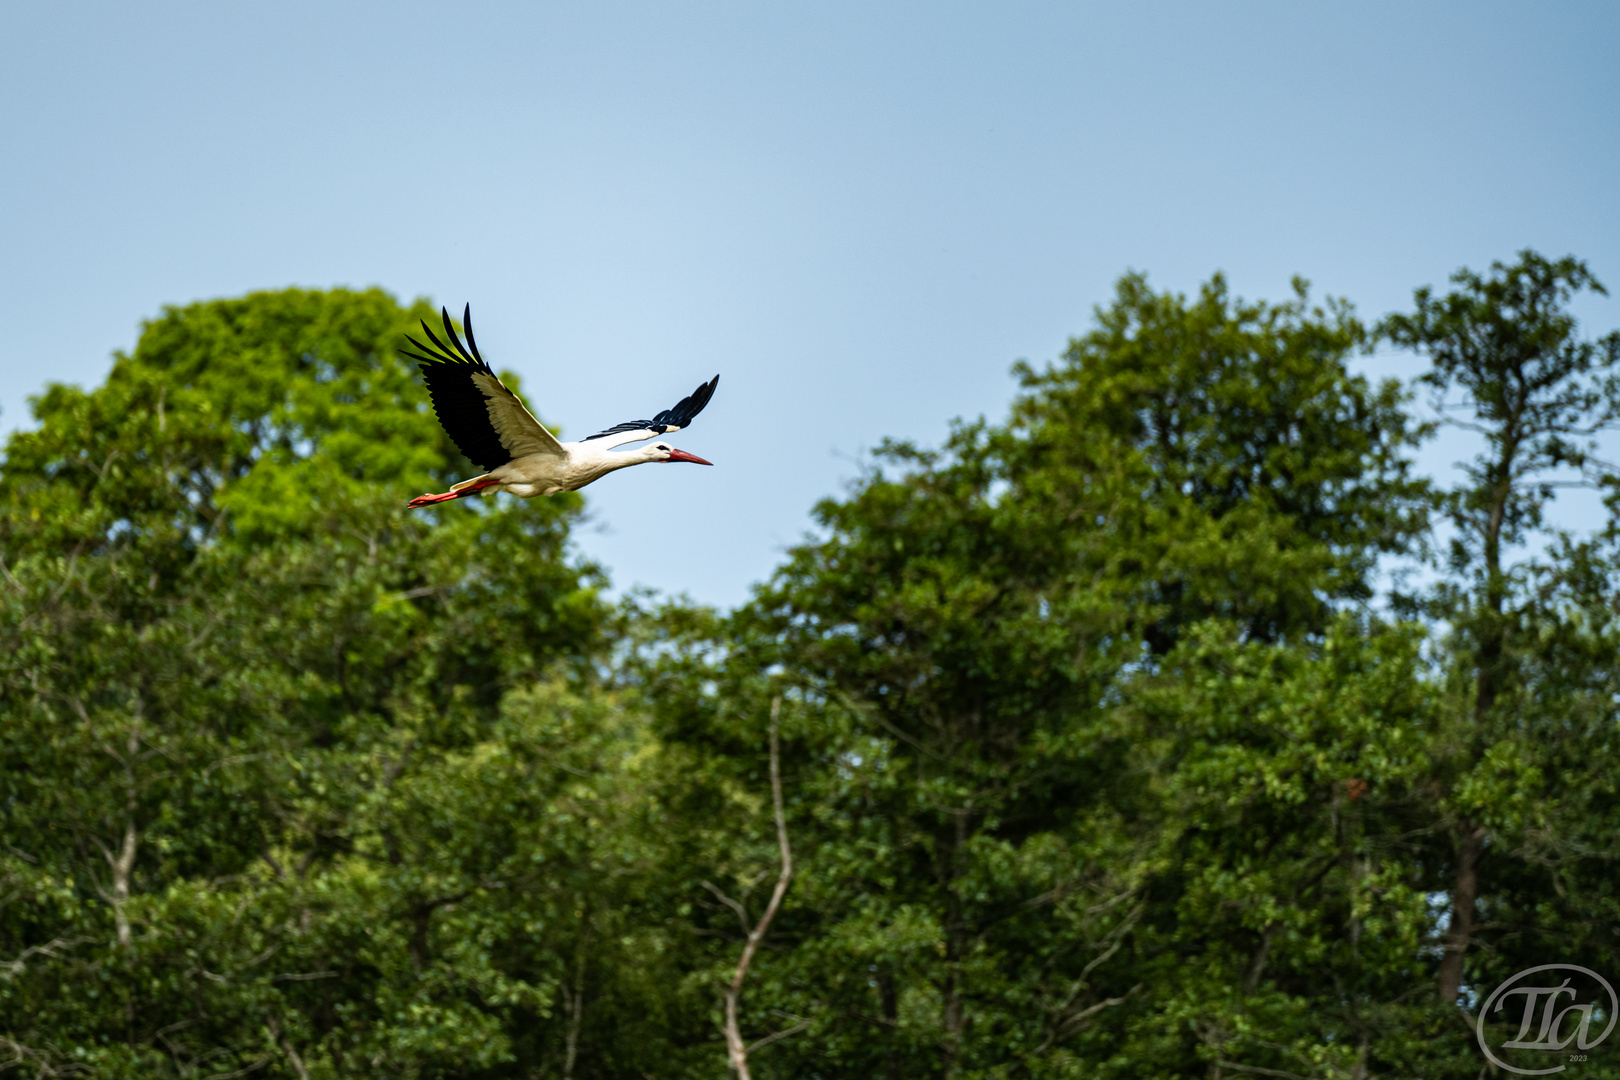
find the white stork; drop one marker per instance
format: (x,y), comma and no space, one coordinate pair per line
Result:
(491,427)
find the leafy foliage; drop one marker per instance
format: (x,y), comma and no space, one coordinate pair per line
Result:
(1099,755)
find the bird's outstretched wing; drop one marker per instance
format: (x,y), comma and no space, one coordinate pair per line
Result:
(483,418)
(672,419)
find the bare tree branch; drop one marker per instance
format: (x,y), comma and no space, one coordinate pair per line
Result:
(735,1046)
(742,912)
(1076,1020)
(52,949)
(287,1049)
(1258,1071)
(255,1067)
(39,1060)
(576,1000)
(784,1033)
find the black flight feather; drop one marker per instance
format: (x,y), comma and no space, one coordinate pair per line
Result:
(466,321)
(450,329)
(678,417)
(457,401)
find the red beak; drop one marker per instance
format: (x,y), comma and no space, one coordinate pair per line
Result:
(682,455)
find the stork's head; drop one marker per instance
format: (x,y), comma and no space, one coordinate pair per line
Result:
(666,452)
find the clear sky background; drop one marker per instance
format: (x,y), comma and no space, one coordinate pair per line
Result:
(858,213)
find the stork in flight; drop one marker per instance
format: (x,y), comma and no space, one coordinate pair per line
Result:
(491,427)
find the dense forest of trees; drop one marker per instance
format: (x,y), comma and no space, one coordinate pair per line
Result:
(1100,741)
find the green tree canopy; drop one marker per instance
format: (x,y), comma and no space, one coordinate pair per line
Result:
(265,731)
(987,823)
(1100,754)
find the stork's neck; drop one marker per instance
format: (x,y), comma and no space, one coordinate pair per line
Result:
(639,456)
(609,460)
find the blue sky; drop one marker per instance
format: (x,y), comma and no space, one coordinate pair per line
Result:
(859,214)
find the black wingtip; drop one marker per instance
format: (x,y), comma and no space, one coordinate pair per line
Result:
(429,355)
(466,324)
(671,419)
(441,346)
(450,329)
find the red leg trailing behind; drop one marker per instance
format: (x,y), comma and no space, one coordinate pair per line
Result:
(428,500)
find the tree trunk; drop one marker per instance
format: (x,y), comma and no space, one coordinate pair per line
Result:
(951,992)
(123,865)
(889,1003)
(953,1018)
(421,929)
(121,868)
(1489,676)
(1470,843)
(1257,966)
(576,999)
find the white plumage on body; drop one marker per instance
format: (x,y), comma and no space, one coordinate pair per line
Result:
(578,464)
